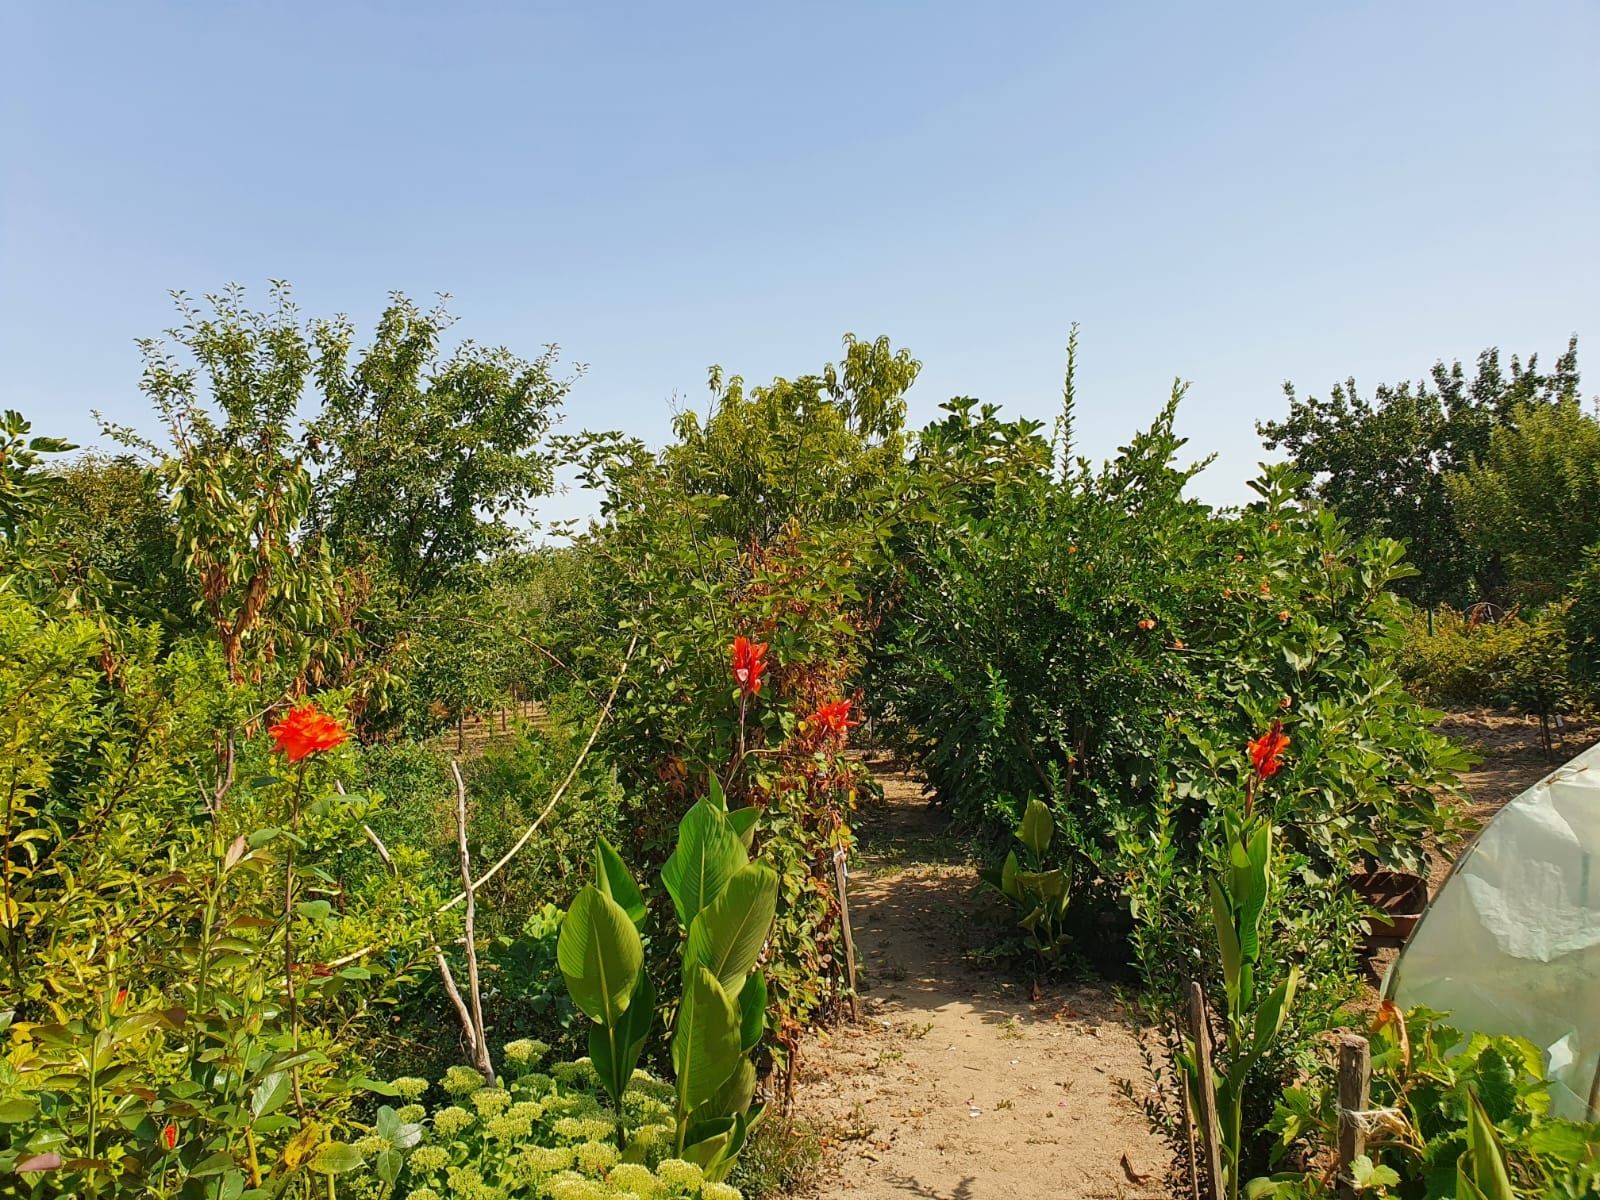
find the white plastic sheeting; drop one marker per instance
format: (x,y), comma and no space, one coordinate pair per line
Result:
(1511,944)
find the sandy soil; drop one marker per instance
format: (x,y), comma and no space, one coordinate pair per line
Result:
(956,1086)
(1513,757)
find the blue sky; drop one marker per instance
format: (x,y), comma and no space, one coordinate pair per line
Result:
(1234,194)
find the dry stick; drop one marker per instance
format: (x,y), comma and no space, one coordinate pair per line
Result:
(539,820)
(1355,1078)
(559,792)
(842,879)
(1210,1129)
(480,1040)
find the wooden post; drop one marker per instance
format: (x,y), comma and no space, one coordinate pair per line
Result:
(1355,1079)
(1210,1127)
(841,881)
(1188,1137)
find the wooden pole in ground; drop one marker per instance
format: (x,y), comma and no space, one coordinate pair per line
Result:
(1188,1137)
(1355,1080)
(841,881)
(1210,1127)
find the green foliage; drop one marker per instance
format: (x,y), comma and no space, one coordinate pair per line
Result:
(1532,499)
(1462,1116)
(181,955)
(784,1157)
(1041,896)
(764,518)
(25,487)
(537,1133)
(1583,622)
(1093,637)
(423,456)
(115,530)
(1520,662)
(1385,464)
(1252,1018)
(725,905)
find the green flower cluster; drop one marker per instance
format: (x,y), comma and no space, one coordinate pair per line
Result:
(546,1137)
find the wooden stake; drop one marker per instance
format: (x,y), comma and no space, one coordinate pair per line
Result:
(841,881)
(1355,1079)
(1210,1127)
(1188,1136)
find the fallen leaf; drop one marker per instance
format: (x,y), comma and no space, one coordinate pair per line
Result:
(1127,1169)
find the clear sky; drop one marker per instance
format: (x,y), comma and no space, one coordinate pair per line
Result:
(1235,194)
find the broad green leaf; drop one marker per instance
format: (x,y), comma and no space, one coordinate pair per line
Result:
(1227,940)
(611,876)
(707,855)
(270,1093)
(705,1043)
(599,953)
(335,1158)
(744,821)
(752,1010)
(212,1164)
(705,1143)
(1037,827)
(1488,1172)
(734,1095)
(616,1048)
(1274,1009)
(1008,876)
(727,936)
(1047,885)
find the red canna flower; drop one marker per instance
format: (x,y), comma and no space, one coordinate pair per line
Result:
(749,664)
(307,730)
(834,716)
(1266,751)
(121,999)
(169,1135)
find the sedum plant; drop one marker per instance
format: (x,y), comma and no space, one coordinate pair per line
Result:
(725,906)
(1039,895)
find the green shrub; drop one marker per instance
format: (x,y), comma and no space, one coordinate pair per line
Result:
(1529,663)
(1430,1082)
(184,960)
(1095,638)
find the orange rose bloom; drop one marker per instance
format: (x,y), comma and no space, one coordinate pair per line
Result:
(307,730)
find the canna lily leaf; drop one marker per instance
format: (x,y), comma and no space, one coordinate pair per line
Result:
(708,854)
(611,876)
(705,1044)
(1037,827)
(727,936)
(599,953)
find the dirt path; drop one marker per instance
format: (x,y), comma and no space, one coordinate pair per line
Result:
(955,1086)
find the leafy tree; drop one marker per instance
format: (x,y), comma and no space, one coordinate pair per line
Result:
(239,481)
(318,547)
(1533,499)
(808,449)
(1382,463)
(112,520)
(424,458)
